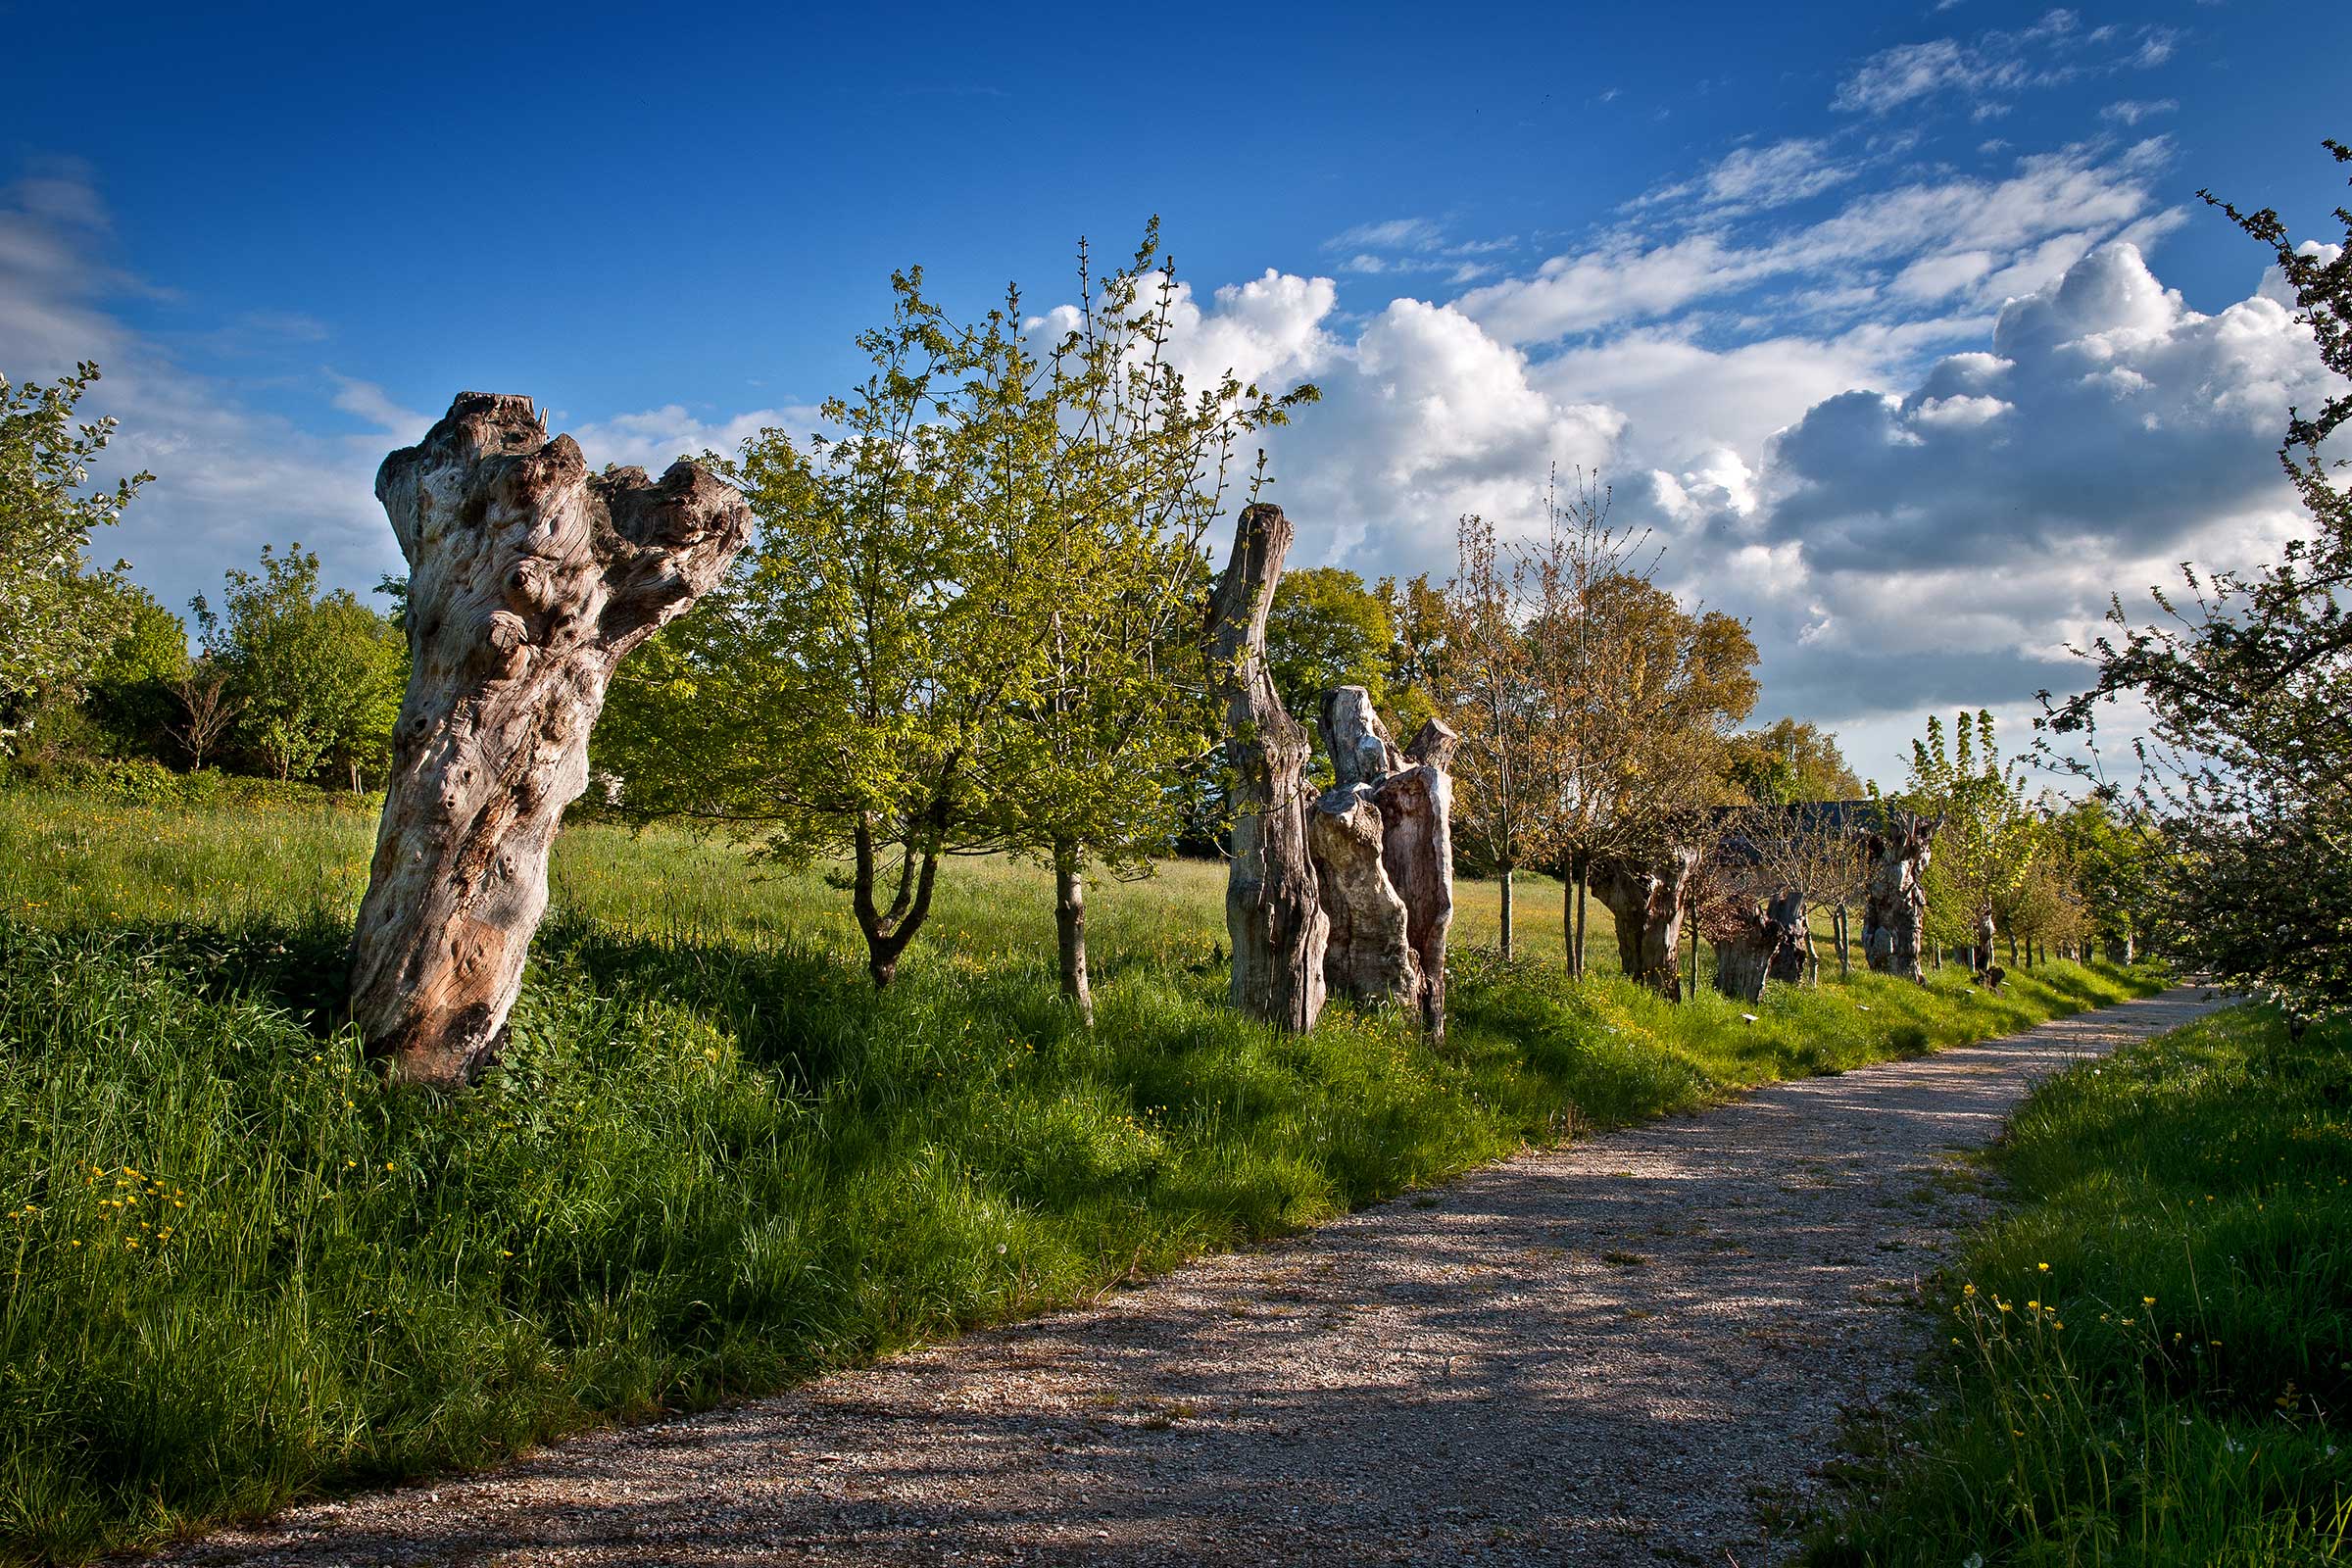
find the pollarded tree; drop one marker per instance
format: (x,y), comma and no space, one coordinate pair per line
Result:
(1505,762)
(52,628)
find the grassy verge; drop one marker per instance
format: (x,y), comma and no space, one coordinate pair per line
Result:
(712,1161)
(2150,1359)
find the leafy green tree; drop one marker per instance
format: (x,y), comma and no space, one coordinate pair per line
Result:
(1102,474)
(1327,628)
(849,688)
(318,676)
(2118,856)
(52,626)
(2246,678)
(963,624)
(131,688)
(1989,833)
(1790,761)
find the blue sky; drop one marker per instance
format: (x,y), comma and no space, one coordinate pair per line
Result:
(1901,326)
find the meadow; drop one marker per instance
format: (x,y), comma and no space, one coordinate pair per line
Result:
(712,1159)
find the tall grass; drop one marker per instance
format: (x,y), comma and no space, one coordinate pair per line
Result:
(712,1159)
(2150,1361)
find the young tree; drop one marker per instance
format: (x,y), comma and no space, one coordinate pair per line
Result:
(317,676)
(2247,682)
(51,626)
(207,709)
(1505,759)
(1990,835)
(1103,471)
(846,687)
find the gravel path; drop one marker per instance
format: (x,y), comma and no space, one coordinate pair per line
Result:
(1630,1350)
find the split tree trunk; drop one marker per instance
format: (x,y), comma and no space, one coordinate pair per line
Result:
(1069,927)
(1749,944)
(1894,905)
(1647,904)
(1790,959)
(1383,858)
(529,579)
(1273,910)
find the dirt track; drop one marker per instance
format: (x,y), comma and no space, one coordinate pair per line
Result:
(1627,1350)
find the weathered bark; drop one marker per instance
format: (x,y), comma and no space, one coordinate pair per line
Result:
(1894,905)
(1646,901)
(530,579)
(1069,927)
(1417,803)
(1789,961)
(1367,955)
(1748,944)
(1273,910)
(1383,858)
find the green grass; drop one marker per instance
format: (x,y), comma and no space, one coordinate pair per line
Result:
(2149,1361)
(712,1161)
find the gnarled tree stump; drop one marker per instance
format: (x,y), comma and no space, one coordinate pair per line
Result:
(1383,858)
(1750,941)
(1273,909)
(1645,898)
(1894,902)
(1788,964)
(529,579)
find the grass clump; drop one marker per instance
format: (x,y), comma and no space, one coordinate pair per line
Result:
(2149,1361)
(712,1161)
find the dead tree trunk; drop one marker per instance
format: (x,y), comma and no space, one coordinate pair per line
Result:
(1789,961)
(1646,901)
(1894,905)
(1383,858)
(1749,944)
(529,578)
(1273,910)
(1069,926)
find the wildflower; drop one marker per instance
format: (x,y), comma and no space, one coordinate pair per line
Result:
(2147,1300)
(2042,1267)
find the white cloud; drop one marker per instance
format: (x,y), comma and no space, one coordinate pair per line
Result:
(2132,110)
(656,438)
(2051,52)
